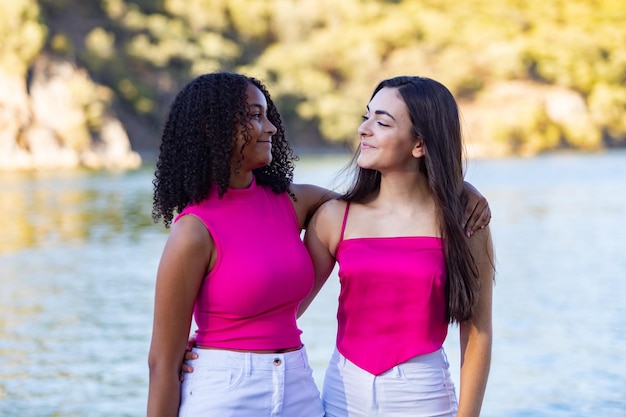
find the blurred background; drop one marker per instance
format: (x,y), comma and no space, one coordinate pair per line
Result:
(84,90)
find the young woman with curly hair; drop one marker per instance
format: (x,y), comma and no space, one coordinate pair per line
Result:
(234,259)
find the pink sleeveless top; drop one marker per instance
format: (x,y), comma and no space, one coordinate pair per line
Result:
(392,304)
(249,300)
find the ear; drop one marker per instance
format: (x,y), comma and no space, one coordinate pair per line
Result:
(419,149)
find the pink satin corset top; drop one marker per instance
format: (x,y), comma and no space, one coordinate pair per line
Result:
(392,304)
(249,299)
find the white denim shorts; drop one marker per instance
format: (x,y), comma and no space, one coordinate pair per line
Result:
(242,384)
(419,387)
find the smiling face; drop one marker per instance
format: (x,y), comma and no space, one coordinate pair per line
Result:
(253,146)
(386,141)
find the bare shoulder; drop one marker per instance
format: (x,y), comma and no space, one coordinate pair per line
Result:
(325,226)
(329,216)
(332,209)
(308,198)
(191,226)
(188,254)
(189,234)
(310,192)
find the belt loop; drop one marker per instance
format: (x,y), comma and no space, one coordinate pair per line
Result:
(303,355)
(342,360)
(398,371)
(248,364)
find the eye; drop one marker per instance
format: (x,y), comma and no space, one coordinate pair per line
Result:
(364,117)
(256,116)
(383,124)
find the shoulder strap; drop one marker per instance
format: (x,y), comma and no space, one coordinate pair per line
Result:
(345,219)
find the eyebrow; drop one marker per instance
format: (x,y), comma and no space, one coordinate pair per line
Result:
(381,112)
(258,106)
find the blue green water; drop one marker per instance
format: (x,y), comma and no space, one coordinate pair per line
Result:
(79,250)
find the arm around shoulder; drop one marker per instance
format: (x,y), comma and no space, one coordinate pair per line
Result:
(308,199)
(477,212)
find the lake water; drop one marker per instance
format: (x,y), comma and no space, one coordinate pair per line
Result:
(79,251)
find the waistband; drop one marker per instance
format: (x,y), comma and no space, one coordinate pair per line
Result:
(220,358)
(437,359)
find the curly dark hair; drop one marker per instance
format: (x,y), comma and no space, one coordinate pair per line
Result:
(197,143)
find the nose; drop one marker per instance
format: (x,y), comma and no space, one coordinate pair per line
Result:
(364,129)
(270,128)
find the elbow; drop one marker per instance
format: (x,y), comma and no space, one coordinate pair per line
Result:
(153,363)
(480,336)
(153,359)
(158,366)
(483,339)
(164,383)
(154,366)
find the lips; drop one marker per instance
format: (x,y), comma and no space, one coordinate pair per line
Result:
(365,145)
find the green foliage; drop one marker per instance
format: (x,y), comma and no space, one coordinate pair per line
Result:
(322,58)
(21,35)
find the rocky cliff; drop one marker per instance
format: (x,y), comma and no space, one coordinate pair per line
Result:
(59,118)
(52,114)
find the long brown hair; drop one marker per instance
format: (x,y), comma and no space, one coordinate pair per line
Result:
(435,120)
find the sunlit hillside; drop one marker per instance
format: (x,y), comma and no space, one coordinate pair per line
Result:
(530,76)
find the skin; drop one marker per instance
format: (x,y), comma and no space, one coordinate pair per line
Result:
(405,206)
(189,255)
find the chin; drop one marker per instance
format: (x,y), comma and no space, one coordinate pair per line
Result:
(264,163)
(363,163)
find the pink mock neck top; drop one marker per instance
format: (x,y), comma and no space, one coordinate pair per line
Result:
(249,300)
(392,304)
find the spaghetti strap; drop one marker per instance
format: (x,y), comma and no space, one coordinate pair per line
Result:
(345,219)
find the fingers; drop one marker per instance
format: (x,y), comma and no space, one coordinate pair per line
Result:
(468,220)
(477,217)
(189,355)
(185,369)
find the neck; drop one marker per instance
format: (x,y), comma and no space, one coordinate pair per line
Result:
(240,180)
(402,188)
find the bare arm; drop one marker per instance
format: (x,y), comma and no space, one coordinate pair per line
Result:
(321,239)
(476,333)
(308,199)
(184,263)
(477,212)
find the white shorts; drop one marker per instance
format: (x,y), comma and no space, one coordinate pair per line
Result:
(419,387)
(242,384)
